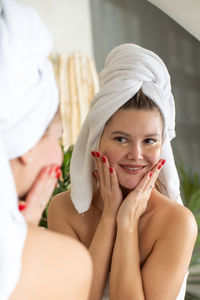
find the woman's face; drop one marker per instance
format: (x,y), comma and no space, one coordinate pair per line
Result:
(48,150)
(45,153)
(132,141)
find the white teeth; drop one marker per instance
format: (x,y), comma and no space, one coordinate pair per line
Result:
(133,169)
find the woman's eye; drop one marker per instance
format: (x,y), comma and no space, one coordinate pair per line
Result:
(149,141)
(121,139)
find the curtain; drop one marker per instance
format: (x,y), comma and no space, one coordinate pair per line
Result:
(77,81)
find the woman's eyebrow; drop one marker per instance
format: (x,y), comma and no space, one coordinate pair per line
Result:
(129,135)
(121,132)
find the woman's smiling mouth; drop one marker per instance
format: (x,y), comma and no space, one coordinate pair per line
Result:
(132,169)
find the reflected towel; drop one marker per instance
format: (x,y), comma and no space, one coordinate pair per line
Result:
(28,102)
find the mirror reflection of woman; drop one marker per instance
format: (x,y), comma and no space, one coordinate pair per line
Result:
(30,159)
(125,204)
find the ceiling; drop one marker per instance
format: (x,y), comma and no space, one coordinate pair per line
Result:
(185,12)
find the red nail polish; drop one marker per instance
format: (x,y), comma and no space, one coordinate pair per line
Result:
(150,174)
(159,167)
(21,206)
(103,159)
(57,169)
(97,154)
(111,170)
(50,170)
(58,174)
(163,162)
(93,154)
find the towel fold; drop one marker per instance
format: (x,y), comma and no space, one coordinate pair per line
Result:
(28,102)
(128,68)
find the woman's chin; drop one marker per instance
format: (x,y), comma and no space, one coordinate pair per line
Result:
(129,185)
(129,182)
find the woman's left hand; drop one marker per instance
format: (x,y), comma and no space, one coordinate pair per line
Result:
(135,203)
(39,195)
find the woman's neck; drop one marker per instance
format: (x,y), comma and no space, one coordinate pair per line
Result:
(125,191)
(98,201)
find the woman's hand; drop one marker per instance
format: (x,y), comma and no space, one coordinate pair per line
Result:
(109,187)
(135,204)
(39,195)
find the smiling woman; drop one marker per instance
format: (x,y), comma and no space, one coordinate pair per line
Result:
(133,149)
(140,237)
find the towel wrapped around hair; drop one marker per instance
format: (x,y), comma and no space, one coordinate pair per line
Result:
(128,68)
(28,102)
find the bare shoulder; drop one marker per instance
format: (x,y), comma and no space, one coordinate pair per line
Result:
(62,215)
(177,220)
(61,204)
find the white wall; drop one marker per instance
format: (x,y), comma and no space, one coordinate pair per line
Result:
(69,22)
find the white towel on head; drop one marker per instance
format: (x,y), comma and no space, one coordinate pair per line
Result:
(128,68)
(28,102)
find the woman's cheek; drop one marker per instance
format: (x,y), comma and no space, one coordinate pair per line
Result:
(154,151)
(111,156)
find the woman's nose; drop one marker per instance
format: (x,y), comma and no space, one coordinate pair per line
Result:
(135,152)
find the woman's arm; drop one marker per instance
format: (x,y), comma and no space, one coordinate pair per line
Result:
(126,278)
(101,249)
(103,240)
(162,274)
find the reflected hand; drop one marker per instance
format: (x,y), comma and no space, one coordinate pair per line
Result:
(109,187)
(39,195)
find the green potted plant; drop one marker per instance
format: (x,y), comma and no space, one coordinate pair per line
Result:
(63,181)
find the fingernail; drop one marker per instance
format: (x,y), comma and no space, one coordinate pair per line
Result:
(103,159)
(150,174)
(57,169)
(93,154)
(97,154)
(111,170)
(50,170)
(163,162)
(58,174)
(21,206)
(159,167)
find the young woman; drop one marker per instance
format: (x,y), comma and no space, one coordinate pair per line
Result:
(34,263)
(131,219)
